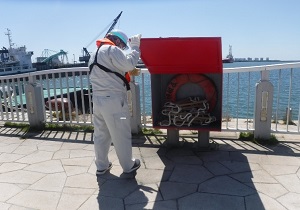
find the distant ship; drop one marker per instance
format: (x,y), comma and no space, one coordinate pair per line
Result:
(15,60)
(229,58)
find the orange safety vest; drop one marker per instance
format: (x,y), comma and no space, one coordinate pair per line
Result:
(104,41)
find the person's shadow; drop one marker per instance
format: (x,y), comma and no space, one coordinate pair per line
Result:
(208,179)
(116,192)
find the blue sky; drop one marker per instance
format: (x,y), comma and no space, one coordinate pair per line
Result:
(257,28)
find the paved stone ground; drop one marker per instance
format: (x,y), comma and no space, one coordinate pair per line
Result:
(55,170)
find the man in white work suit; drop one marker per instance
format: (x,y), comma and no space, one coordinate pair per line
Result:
(111,116)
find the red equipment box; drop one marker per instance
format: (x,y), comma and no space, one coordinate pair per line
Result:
(186,82)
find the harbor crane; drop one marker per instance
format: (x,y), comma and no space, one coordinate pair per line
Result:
(52,58)
(86,55)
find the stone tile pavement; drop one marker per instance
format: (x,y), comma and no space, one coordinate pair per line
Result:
(55,170)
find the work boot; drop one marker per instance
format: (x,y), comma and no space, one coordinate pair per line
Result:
(100,172)
(136,166)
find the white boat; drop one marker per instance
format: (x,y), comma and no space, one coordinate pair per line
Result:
(15,60)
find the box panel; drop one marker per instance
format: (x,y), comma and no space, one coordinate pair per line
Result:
(182,55)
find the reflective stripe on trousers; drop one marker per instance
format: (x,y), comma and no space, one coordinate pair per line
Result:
(111,120)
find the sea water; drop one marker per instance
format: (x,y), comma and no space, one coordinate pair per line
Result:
(238,97)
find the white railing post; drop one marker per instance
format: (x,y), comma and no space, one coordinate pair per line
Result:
(263,107)
(34,103)
(135,107)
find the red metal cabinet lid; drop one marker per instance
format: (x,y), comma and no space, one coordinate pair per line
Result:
(182,55)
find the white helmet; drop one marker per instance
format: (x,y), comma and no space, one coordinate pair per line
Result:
(120,34)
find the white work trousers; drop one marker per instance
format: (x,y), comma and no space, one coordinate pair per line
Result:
(111,120)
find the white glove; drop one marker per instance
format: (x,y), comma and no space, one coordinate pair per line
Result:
(135,41)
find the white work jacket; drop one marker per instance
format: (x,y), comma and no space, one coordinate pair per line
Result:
(115,59)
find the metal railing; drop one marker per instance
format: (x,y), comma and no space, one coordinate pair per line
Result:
(66,96)
(239,97)
(12,103)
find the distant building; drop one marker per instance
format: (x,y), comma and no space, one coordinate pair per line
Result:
(240,59)
(251,59)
